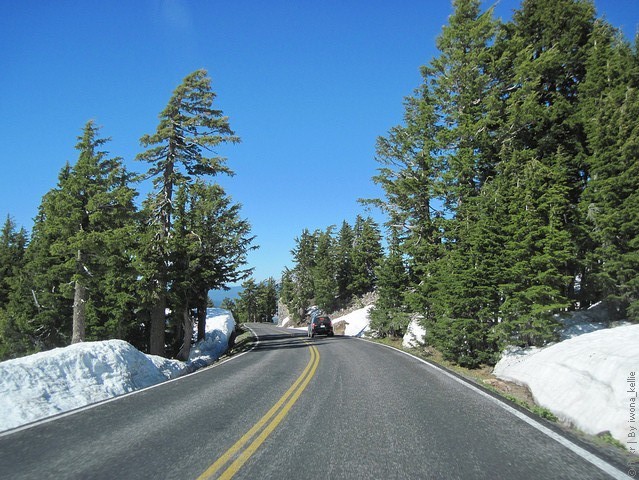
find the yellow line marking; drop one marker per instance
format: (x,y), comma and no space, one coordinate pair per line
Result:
(294,393)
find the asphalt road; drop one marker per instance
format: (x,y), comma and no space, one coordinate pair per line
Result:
(295,408)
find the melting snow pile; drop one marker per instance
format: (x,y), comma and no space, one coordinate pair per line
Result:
(63,379)
(415,335)
(357,322)
(583,380)
(219,327)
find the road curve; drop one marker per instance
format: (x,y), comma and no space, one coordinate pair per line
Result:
(313,409)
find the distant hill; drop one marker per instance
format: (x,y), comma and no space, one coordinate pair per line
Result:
(217,296)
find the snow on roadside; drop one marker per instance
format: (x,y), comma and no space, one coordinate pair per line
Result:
(219,326)
(415,335)
(357,322)
(59,380)
(582,380)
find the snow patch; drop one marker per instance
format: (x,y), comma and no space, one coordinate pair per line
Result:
(357,322)
(63,379)
(415,335)
(582,380)
(219,327)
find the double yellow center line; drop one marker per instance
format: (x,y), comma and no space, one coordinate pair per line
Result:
(238,453)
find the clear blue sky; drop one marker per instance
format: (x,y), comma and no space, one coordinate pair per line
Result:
(308,85)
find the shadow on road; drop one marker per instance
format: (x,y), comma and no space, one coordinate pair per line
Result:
(290,340)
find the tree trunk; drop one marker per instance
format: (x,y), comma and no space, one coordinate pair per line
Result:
(187,334)
(79,312)
(201,319)
(158,320)
(79,305)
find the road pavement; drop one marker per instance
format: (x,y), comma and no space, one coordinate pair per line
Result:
(299,408)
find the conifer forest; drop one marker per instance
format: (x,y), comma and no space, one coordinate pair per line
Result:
(511,187)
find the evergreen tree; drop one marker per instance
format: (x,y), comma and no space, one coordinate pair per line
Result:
(611,199)
(224,241)
(287,292)
(344,263)
(257,301)
(40,305)
(302,273)
(83,229)
(99,207)
(189,125)
(462,80)
(12,247)
(267,300)
(390,316)
(247,303)
(230,305)
(324,272)
(366,255)
(466,295)
(13,341)
(411,176)
(542,170)
(460,303)
(208,249)
(182,251)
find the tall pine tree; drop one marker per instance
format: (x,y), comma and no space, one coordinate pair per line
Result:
(610,204)
(13,243)
(324,273)
(390,315)
(189,126)
(366,255)
(542,170)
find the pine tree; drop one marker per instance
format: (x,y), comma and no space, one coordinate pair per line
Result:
(390,316)
(98,203)
(459,302)
(208,249)
(267,299)
(12,247)
(462,79)
(610,202)
(189,125)
(287,291)
(40,305)
(13,341)
(324,272)
(257,301)
(411,176)
(302,274)
(344,263)
(542,166)
(224,241)
(366,255)
(466,295)
(81,232)
(247,303)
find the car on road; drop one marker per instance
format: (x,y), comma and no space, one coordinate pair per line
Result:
(320,325)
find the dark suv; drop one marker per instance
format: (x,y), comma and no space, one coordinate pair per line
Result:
(320,325)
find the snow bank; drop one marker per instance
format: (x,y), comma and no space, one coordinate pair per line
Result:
(415,335)
(219,327)
(59,380)
(583,380)
(357,322)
